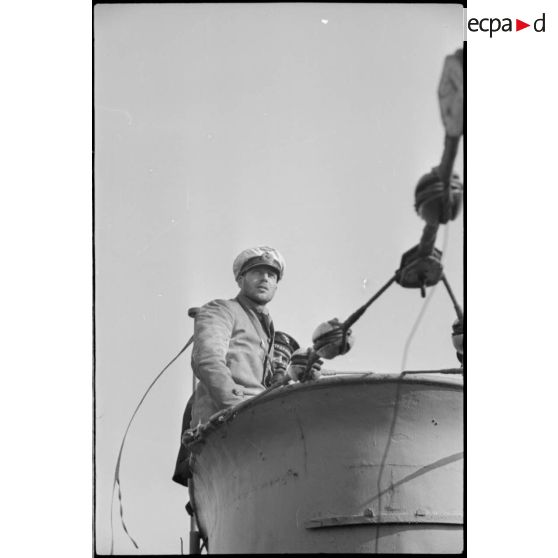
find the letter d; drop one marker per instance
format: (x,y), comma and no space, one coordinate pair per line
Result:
(536,22)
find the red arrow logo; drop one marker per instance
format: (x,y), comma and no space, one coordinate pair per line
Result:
(519,25)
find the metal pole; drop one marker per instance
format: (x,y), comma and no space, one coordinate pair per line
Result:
(194,533)
(358,313)
(427,240)
(194,537)
(448,158)
(430,231)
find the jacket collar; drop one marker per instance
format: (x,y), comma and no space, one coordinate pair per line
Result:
(257,315)
(258,308)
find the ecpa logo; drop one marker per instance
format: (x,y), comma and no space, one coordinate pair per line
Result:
(495,24)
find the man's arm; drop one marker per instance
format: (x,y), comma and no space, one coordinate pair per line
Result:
(212,332)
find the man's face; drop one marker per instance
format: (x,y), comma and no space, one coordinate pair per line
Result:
(259,284)
(280,362)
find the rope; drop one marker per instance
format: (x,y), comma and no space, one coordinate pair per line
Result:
(122,520)
(116,481)
(414,329)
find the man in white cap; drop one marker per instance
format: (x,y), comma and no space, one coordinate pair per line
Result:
(234,342)
(233,339)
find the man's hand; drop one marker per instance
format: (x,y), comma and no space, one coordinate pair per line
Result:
(315,372)
(305,366)
(278,379)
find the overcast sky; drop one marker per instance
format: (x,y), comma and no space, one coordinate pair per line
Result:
(218,127)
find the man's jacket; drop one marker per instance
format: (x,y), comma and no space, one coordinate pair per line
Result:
(230,356)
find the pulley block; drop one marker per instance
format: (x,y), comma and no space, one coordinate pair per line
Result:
(418,272)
